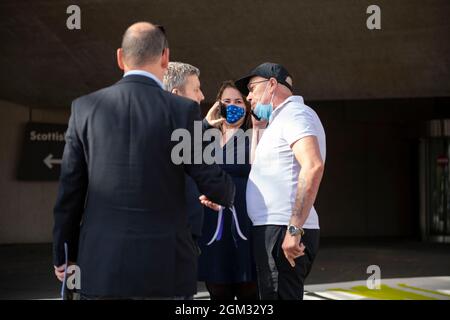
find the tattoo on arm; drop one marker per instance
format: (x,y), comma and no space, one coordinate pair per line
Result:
(300,198)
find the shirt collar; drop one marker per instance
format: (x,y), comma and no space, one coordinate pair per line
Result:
(295,99)
(145,74)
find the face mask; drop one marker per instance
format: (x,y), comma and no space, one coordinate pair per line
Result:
(232,113)
(264,110)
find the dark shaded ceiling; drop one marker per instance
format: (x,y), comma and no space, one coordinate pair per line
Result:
(324,44)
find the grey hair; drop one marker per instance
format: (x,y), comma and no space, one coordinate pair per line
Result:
(177,74)
(143,46)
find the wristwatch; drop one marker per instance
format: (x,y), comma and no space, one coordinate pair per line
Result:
(295,231)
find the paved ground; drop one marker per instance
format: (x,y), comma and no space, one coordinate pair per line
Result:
(423,288)
(26,270)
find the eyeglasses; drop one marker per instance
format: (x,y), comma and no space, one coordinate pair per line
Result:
(249,86)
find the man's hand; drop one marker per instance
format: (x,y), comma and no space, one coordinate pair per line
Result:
(59,271)
(206,202)
(292,248)
(212,113)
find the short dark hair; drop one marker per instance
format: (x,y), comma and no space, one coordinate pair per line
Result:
(143,46)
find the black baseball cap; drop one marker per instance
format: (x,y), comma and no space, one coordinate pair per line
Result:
(266,70)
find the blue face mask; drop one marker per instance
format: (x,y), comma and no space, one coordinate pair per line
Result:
(264,110)
(234,113)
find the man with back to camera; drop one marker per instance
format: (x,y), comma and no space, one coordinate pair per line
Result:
(284,180)
(121,206)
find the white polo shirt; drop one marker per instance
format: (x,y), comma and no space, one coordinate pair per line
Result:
(272,184)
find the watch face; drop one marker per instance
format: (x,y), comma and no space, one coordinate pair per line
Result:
(291,229)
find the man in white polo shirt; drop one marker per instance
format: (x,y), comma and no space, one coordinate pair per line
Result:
(284,180)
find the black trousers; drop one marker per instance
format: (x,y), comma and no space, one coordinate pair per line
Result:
(277,279)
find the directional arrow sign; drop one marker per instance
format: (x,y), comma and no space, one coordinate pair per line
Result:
(42,152)
(49,161)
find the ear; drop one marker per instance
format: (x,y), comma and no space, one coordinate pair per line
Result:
(120,62)
(165,58)
(174,91)
(273,85)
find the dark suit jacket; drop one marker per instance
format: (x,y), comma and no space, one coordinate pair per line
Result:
(195,210)
(121,204)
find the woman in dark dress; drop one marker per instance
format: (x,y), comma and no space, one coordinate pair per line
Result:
(226,261)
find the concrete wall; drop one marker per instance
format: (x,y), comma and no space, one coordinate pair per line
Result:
(324,44)
(25,207)
(371,182)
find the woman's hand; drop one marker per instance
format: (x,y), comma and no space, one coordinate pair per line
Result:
(212,113)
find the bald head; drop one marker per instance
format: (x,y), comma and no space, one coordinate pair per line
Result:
(143,43)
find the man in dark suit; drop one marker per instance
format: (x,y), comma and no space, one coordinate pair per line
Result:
(121,201)
(183,80)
